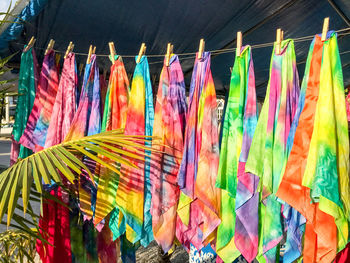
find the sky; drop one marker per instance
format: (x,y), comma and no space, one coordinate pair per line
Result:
(4,5)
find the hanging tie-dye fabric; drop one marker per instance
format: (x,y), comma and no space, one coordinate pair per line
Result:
(42,125)
(87,121)
(238,232)
(134,189)
(316,180)
(65,104)
(198,209)
(169,126)
(268,149)
(54,226)
(44,99)
(115,109)
(27,86)
(55,219)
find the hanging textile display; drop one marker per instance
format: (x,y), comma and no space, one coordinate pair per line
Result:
(40,131)
(315,181)
(54,226)
(55,218)
(169,126)
(65,103)
(34,135)
(87,121)
(268,149)
(238,232)
(198,208)
(134,189)
(27,87)
(114,117)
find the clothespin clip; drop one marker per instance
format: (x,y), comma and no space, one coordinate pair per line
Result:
(239,43)
(278,41)
(50,46)
(141,52)
(89,55)
(30,44)
(169,50)
(325,28)
(69,49)
(282,35)
(112,51)
(201,48)
(94,50)
(81,66)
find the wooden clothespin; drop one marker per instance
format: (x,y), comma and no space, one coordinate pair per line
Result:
(94,50)
(201,48)
(112,51)
(154,78)
(325,28)
(89,55)
(30,44)
(141,52)
(239,43)
(278,41)
(282,35)
(69,49)
(168,54)
(81,67)
(50,46)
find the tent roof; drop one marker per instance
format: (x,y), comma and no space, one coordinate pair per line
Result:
(183,23)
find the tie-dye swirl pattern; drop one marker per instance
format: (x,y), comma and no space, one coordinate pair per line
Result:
(268,149)
(34,135)
(27,87)
(114,117)
(316,180)
(238,232)
(134,189)
(199,204)
(169,126)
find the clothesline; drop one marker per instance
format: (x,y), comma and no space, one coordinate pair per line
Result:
(192,54)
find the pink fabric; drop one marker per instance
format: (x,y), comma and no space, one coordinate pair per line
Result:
(65,104)
(48,70)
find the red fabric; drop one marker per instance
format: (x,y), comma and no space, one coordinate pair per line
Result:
(344,255)
(55,229)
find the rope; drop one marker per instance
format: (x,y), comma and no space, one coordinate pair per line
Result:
(193,54)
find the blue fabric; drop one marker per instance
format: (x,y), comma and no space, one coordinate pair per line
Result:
(147,233)
(14,30)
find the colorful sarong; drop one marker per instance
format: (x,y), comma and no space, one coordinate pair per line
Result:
(134,189)
(87,121)
(316,180)
(43,103)
(115,109)
(61,118)
(65,104)
(238,232)
(27,86)
(169,126)
(54,226)
(198,209)
(268,149)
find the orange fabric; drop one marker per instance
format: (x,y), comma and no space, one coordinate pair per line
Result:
(320,244)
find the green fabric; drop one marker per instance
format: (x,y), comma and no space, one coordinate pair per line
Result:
(26,96)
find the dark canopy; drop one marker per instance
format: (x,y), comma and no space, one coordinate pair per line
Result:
(182,22)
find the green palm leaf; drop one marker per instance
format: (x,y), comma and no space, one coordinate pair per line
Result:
(66,160)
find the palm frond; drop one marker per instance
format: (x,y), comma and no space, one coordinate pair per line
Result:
(65,160)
